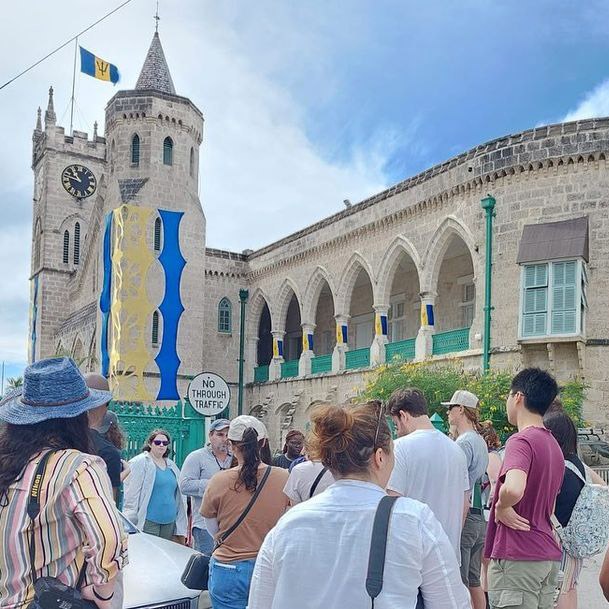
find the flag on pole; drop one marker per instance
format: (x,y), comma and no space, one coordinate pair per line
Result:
(98,68)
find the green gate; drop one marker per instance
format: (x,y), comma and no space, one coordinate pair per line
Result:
(185,426)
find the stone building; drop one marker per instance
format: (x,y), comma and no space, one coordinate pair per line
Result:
(400,274)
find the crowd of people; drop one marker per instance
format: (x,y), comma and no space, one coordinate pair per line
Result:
(469,523)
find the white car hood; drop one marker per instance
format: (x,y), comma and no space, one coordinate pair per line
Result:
(153,574)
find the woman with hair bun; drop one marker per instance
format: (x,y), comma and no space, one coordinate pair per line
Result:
(226,498)
(330,533)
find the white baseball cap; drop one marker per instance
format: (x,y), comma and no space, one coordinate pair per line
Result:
(463,398)
(239,424)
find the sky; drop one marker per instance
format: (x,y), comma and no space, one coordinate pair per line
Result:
(306,103)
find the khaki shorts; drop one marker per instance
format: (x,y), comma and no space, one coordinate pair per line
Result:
(523,584)
(472,544)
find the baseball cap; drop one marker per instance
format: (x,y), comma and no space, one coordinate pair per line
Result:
(219,424)
(239,424)
(109,419)
(463,398)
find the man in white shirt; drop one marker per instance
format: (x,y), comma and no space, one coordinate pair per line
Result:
(429,466)
(306,480)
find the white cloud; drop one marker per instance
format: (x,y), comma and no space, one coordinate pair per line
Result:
(594,104)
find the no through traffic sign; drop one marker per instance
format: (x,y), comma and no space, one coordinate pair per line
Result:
(208,394)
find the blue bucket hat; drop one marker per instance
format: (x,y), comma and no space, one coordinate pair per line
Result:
(52,389)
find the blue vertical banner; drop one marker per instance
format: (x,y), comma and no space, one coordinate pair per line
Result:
(171,307)
(427,315)
(105,299)
(380,324)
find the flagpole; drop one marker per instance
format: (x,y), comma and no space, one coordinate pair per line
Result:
(73,83)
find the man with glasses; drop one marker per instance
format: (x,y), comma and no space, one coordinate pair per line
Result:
(429,466)
(520,542)
(199,466)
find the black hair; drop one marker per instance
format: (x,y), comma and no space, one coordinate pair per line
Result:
(250,452)
(19,443)
(538,387)
(410,400)
(563,429)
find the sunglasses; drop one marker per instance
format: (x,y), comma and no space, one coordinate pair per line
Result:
(160,442)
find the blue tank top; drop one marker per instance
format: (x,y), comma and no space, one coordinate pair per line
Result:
(162,508)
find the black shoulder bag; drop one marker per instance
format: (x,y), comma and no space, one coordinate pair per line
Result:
(49,592)
(196,572)
(378,549)
(317,481)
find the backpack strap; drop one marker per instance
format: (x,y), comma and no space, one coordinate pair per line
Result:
(572,467)
(317,481)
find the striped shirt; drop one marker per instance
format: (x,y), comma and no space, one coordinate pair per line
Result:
(77,521)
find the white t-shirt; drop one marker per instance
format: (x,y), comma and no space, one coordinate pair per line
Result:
(431,468)
(317,555)
(302,477)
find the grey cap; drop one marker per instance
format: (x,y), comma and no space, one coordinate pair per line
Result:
(219,424)
(463,398)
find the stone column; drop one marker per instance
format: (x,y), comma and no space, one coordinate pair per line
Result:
(304,364)
(377,349)
(275,365)
(342,342)
(424,341)
(251,357)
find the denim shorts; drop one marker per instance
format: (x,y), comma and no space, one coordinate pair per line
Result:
(229,583)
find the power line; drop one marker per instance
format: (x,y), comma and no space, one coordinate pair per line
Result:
(65,44)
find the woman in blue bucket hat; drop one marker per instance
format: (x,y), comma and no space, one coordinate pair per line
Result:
(44,463)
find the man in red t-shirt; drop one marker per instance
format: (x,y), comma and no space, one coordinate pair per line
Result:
(520,543)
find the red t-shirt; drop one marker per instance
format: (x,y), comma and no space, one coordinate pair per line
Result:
(534,451)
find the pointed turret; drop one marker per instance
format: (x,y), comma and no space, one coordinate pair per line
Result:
(95,131)
(49,115)
(155,72)
(39,120)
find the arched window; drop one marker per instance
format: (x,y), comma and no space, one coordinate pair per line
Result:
(112,155)
(135,150)
(192,162)
(66,247)
(225,316)
(168,151)
(155,328)
(37,239)
(157,235)
(77,243)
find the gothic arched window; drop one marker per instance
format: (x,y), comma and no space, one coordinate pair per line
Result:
(77,243)
(168,151)
(37,239)
(155,328)
(192,162)
(135,150)
(225,316)
(66,247)
(157,235)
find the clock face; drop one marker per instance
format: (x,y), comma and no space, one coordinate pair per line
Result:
(79,181)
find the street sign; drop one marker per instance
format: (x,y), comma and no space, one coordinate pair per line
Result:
(208,394)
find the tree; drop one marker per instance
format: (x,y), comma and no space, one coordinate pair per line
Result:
(14,382)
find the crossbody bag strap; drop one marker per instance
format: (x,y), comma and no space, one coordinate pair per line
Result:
(249,506)
(317,481)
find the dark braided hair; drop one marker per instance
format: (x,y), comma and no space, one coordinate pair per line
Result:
(250,451)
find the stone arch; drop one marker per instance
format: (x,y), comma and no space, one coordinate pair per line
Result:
(77,352)
(401,246)
(314,287)
(349,276)
(257,303)
(285,293)
(439,243)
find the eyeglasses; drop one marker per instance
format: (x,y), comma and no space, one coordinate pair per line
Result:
(160,442)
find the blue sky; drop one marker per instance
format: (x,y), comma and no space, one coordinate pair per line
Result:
(306,103)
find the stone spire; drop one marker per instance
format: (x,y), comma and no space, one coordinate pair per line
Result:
(95,131)
(49,115)
(39,120)
(155,73)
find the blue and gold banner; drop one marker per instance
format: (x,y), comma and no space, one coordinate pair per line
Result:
(342,334)
(106,295)
(380,325)
(98,68)
(277,347)
(427,317)
(307,341)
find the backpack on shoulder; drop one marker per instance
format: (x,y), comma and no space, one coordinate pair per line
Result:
(587,532)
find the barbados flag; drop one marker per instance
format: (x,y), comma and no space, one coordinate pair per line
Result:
(98,68)
(427,315)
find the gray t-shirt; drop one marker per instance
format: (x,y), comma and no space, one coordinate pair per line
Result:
(476,455)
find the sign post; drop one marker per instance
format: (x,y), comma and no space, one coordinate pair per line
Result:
(208,394)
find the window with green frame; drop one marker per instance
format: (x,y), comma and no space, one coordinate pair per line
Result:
(553,298)
(225,316)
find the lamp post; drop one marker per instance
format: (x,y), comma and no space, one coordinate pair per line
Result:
(488,205)
(243,296)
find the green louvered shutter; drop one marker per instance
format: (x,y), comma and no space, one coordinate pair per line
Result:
(564,297)
(535,300)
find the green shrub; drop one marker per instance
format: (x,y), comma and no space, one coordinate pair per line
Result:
(439,381)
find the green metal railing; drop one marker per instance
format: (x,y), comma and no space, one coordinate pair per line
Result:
(450,342)
(402,349)
(261,374)
(289,369)
(321,363)
(360,358)
(184,424)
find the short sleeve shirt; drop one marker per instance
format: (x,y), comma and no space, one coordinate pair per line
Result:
(476,455)
(535,452)
(301,480)
(224,502)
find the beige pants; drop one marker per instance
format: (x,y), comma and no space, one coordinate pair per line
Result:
(522,584)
